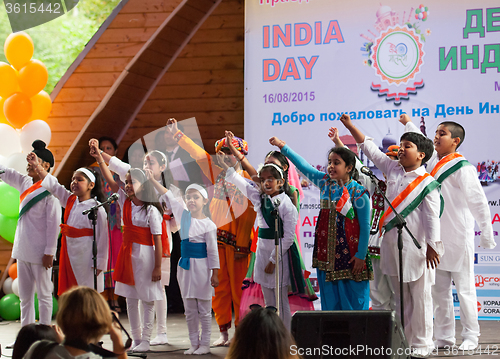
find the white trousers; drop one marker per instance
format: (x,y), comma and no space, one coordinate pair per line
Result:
(198,311)
(30,275)
(136,331)
(381,292)
(444,316)
(417,309)
(270,300)
(161,314)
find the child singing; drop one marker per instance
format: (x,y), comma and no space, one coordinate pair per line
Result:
(198,266)
(76,265)
(35,242)
(265,200)
(155,161)
(138,266)
(413,193)
(465,202)
(342,230)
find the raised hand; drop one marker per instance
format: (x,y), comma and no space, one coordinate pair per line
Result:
(172,126)
(404,119)
(220,159)
(333,133)
(346,121)
(275,141)
(94,149)
(32,159)
(149,174)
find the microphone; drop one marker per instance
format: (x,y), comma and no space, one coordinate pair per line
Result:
(2,172)
(110,199)
(366,171)
(277,203)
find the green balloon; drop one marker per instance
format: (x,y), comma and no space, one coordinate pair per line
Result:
(10,307)
(8,228)
(9,205)
(55,307)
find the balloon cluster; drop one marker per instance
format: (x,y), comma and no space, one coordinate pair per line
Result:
(422,12)
(24,107)
(10,304)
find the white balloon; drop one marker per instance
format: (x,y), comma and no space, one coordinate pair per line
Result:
(9,140)
(34,130)
(15,287)
(7,285)
(18,162)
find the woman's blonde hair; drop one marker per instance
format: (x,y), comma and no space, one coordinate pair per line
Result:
(83,314)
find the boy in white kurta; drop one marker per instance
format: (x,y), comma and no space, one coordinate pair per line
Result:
(465,202)
(422,221)
(35,242)
(198,267)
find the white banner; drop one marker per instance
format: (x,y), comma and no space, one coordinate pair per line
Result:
(309,61)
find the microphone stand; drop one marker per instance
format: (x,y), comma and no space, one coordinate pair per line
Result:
(401,223)
(92,215)
(277,233)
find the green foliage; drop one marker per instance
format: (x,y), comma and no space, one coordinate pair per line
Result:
(59,42)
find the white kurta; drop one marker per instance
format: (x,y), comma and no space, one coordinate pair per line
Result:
(38,229)
(464,201)
(121,168)
(143,257)
(195,283)
(80,249)
(265,247)
(423,222)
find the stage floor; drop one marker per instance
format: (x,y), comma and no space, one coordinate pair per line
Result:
(178,340)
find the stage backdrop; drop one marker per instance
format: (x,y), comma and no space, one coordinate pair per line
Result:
(309,61)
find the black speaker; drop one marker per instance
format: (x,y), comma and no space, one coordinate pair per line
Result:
(349,334)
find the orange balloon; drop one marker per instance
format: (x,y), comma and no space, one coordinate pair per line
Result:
(9,80)
(42,105)
(18,49)
(3,119)
(18,109)
(33,77)
(13,271)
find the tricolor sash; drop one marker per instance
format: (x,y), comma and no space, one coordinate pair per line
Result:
(124,272)
(32,196)
(409,199)
(448,165)
(67,278)
(267,207)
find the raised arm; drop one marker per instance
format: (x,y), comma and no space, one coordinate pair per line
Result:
(355,132)
(203,159)
(106,173)
(333,133)
(241,158)
(250,192)
(302,165)
(32,159)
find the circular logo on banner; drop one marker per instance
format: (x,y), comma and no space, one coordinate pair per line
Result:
(397,55)
(478,307)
